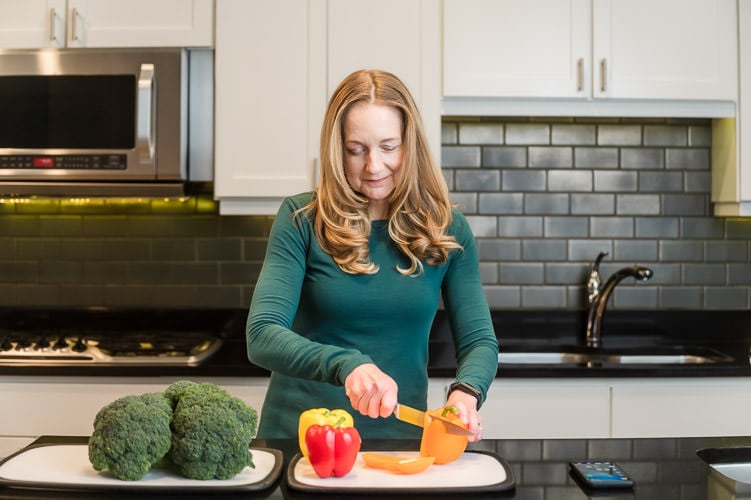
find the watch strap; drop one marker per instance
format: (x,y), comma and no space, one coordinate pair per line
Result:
(466,388)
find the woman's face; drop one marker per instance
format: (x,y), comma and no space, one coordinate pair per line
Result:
(373,153)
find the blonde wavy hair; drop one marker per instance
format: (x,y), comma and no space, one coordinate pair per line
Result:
(419,207)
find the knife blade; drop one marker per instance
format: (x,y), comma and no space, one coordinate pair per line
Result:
(417,417)
(410,415)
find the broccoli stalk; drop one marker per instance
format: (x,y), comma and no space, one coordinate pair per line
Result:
(130,435)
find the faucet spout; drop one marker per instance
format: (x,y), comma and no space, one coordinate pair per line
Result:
(597,305)
(595,280)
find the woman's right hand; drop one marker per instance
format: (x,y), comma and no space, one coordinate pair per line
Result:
(370,391)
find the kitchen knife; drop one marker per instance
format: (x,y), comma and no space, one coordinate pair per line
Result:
(416,417)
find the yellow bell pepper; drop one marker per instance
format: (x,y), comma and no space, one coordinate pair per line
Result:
(321,416)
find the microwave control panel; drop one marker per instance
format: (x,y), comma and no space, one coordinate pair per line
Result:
(75,162)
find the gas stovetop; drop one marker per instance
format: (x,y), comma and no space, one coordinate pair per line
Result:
(108,337)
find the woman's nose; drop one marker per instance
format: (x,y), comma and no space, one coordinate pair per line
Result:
(373,160)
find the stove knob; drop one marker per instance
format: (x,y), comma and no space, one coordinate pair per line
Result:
(6,345)
(79,346)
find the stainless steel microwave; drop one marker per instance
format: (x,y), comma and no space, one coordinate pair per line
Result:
(110,122)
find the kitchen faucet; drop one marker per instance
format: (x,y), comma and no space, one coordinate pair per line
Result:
(598,295)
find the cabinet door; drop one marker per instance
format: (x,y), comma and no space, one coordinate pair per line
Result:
(508,48)
(681,408)
(731,137)
(547,408)
(277,62)
(407,44)
(67,407)
(32,24)
(671,49)
(269,99)
(140,23)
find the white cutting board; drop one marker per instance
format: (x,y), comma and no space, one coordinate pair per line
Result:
(63,466)
(471,470)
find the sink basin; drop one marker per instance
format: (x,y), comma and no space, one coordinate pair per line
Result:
(543,358)
(733,462)
(655,356)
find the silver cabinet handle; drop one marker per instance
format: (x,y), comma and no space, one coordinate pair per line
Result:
(603,74)
(579,74)
(53,17)
(316,171)
(145,116)
(74,24)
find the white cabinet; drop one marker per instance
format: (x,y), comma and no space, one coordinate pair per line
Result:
(277,61)
(681,407)
(270,92)
(32,23)
(617,408)
(67,406)
(516,49)
(106,23)
(670,57)
(547,408)
(731,137)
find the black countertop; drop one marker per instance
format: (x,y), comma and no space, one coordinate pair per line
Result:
(664,469)
(517,330)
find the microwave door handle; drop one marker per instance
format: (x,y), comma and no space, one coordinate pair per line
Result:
(145,118)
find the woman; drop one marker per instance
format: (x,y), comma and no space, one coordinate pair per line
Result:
(354,273)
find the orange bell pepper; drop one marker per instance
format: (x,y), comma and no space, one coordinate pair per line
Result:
(437,441)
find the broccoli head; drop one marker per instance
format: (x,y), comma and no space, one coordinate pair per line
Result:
(131,434)
(211,431)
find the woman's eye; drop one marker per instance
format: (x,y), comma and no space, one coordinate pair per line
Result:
(390,147)
(355,151)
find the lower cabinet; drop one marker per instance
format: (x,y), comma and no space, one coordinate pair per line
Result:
(544,408)
(617,408)
(681,407)
(36,406)
(547,408)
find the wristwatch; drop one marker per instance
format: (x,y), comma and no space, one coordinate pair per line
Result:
(466,388)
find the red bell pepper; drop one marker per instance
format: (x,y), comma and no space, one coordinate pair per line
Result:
(332,451)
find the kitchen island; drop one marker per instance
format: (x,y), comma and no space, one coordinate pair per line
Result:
(662,468)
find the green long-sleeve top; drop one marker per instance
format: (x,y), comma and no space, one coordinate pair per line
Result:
(311,324)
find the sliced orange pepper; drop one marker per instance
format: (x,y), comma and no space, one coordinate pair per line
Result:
(397,464)
(410,465)
(437,441)
(379,460)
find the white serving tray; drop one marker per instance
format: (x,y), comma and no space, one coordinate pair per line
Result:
(474,471)
(67,467)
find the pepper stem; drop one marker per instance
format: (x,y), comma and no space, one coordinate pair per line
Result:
(447,409)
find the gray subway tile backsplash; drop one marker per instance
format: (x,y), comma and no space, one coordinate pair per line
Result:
(636,188)
(578,134)
(543,197)
(481,133)
(642,158)
(619,135)
(587,157)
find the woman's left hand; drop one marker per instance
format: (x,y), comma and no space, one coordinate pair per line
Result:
(467,406)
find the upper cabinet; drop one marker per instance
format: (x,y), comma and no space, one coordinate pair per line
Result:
(731,137)
(269,95)
(277,62)
(28,24)
(613,57)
